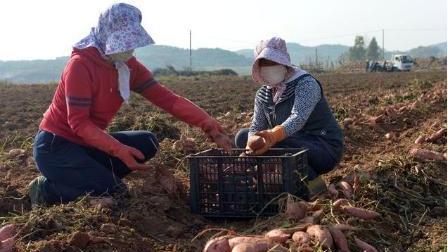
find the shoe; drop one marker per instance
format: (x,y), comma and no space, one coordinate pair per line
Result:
(35,192)
(316,186)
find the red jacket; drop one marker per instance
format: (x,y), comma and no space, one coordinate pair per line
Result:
(87,98)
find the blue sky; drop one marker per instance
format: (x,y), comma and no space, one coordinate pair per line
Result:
(46,28)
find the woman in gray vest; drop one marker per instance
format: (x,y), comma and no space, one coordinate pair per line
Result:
(291,111)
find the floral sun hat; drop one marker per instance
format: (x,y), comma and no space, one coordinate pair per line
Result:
(118,30)
(273,49)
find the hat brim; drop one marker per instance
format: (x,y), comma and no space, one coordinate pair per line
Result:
(134,37)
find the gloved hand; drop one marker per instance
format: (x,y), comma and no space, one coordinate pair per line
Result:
(254,143)
(99,139)
(216,134)
(270,137)
(129,156)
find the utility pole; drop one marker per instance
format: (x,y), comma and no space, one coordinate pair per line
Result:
(191,66)
(383,45)
(316,59)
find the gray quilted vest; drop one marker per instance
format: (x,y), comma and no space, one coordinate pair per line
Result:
(320,123)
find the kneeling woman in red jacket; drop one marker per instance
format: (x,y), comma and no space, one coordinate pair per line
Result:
(72,151)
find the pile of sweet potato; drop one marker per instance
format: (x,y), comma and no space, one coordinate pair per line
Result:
(307,231)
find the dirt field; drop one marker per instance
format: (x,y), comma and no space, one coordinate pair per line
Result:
(410,194)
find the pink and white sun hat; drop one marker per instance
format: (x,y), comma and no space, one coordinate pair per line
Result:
(273,49)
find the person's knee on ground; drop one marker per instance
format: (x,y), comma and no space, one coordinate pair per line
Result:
(241,138)
(148,144)
(144,141)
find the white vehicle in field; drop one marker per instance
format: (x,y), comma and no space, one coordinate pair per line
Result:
(401,62)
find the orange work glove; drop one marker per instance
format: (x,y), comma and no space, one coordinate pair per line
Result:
(270,138)
(216,134)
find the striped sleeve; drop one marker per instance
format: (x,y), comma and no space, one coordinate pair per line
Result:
(259,121)
(307,95)
(78,94)
(141,77)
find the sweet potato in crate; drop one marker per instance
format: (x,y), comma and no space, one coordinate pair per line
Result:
(225,184)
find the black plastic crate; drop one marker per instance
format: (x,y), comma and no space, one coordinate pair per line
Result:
(223,184)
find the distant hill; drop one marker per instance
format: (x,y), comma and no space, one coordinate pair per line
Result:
(304,54)
(437,50)
(159,56)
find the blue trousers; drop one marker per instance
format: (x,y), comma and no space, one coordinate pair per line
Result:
(71,170)
(319,159)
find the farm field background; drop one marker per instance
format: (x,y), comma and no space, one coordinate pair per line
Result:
(410,194)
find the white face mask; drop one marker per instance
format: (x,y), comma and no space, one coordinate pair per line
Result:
(273,75)
(121,57)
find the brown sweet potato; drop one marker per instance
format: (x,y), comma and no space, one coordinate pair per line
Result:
(420,139)
(301,238)
(347,122)
(356,183)
(255,244)
(361,213)
(340,202)
(277,235)
(373,120)
(278,248)
(344,227)
(437,135)
(249,239)
(245,247)
(320,235)
(426,155)
(218,244)
(332,190)
(7,245)
(346,188)
(7,231)
(295,210)
(339,239)
(365,246)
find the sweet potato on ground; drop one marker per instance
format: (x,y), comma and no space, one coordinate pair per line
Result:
(301,238)
(277,235)
(346,188)
(254,245)
(420,139)
(426,155)
(332,190)
(361,213)
(245,247)
(218,244)
(339,239)
(295,210)
(437,135)
(340,202)
(7,245)
(344,227)
(321,235)
(365,246)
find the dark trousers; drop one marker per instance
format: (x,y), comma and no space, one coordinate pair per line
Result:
(72,170)
(319,158)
